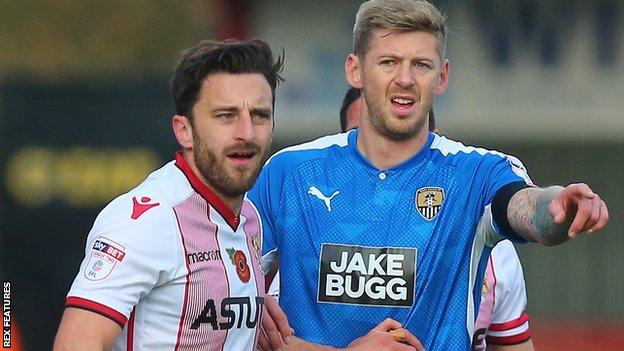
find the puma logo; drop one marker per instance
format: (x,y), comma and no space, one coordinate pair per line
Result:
(327,200)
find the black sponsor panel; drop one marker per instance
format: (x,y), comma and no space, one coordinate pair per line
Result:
(378,276)
(229,308)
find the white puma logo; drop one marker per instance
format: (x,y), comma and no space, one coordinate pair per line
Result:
(327,200)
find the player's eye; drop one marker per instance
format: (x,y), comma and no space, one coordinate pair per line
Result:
(423,66)
(226,116)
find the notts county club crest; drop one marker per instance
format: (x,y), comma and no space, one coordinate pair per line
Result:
(428,201)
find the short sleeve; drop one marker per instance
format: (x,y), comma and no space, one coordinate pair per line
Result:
(505,170)
(124,259)
(510,322)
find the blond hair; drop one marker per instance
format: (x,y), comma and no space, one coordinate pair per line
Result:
(400,16)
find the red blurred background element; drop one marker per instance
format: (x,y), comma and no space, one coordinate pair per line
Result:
(576,334)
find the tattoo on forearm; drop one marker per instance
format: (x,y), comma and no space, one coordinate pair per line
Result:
(529,216)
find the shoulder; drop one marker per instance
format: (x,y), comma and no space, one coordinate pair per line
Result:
(459,152)
(148,208)
(448,147)
(327,146)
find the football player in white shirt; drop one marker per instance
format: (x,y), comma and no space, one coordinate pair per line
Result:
(502,320)
(174,264)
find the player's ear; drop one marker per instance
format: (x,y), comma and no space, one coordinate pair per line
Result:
(443,79)
(183,131)
(352,71)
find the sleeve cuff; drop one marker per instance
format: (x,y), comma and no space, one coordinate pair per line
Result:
(500,203)
(85,304)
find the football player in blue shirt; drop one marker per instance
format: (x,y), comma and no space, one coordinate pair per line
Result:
(380,222)
(502,310)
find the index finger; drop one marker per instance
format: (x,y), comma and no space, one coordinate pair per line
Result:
(581,190)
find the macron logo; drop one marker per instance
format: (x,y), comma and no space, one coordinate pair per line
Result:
(139,208)
(327,200)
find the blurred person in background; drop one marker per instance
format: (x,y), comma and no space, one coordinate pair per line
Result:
(174,264)
(390,220)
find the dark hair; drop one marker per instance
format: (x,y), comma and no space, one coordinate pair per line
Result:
(352,95)
(209,56)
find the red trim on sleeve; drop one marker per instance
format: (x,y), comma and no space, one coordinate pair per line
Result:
(509,340)
(514,323)
(202,189)
(130,340)
(79,302)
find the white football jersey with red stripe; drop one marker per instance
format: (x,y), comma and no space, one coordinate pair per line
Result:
(502,316)
(174,267)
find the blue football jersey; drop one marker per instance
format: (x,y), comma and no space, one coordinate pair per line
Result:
(358,244)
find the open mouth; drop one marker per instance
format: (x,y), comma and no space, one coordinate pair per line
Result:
(402,104)
(242,155)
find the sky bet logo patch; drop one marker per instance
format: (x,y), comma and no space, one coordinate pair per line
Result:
(105,254)
(378,276)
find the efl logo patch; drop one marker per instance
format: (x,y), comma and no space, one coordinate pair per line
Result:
(428,201)
(360,275)
(105,254)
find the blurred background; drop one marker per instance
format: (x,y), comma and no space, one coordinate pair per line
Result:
(85,115)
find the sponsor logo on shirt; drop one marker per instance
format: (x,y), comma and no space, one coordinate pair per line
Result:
(105,254)
(239,260)
(378,276)
(234,310)
(202,256)
(140,207)
(428,201)
(314,191)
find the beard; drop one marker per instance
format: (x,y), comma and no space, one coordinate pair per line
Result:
(227,180)
(393,129)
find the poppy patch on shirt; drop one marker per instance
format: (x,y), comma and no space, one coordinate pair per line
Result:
(105,254)
(239,260)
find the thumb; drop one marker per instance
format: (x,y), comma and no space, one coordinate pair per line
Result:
(557,210)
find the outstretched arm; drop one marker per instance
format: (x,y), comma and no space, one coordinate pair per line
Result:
(555,214)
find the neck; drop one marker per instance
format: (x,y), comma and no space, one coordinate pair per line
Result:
(234,203)
(385,153)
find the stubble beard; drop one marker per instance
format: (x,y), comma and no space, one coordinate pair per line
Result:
(228,181)
(382,122)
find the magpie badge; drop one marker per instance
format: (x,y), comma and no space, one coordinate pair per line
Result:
(428,201)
